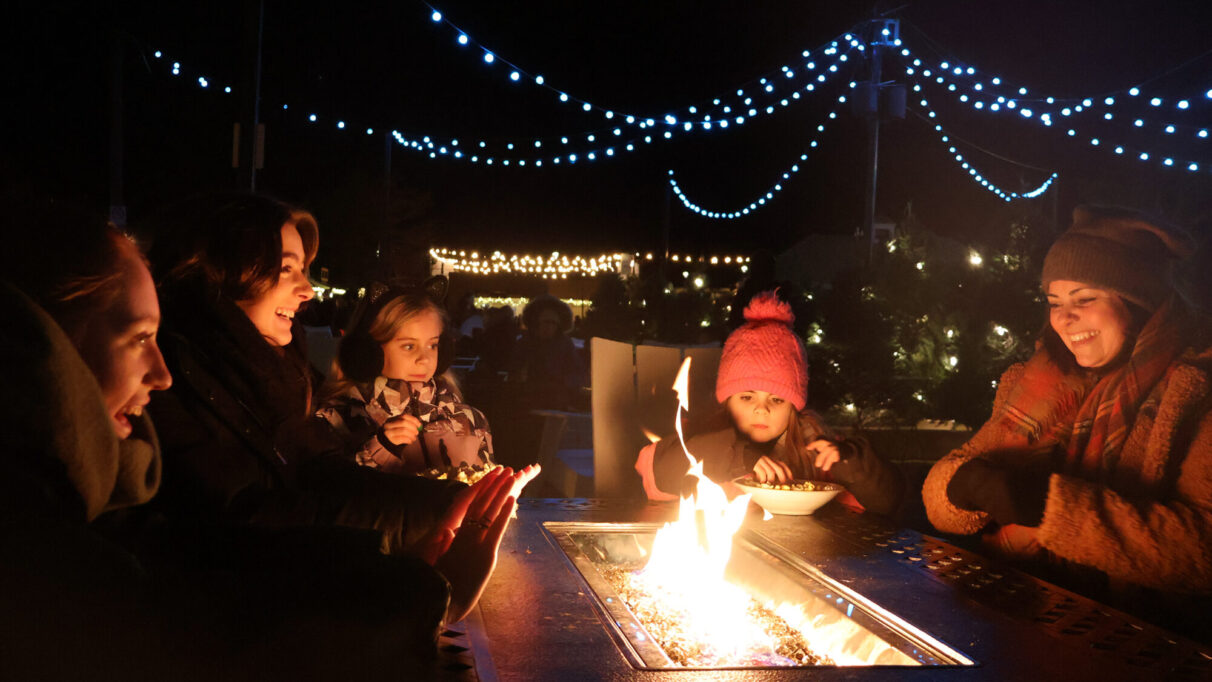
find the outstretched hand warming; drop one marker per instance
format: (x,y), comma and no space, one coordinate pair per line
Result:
(464,545)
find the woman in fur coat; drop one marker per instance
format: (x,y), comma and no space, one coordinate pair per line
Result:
(1098,456)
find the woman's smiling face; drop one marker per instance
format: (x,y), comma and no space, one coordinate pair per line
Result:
(273,312)
(1093,323)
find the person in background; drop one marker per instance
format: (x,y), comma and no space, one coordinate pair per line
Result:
(394,406)
(763,429)
(1096,465)
(550,369)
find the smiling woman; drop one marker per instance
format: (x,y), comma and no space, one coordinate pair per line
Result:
(232,274)
(1099,450)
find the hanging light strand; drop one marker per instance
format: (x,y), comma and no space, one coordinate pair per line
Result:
(761,201)
(589,147)
(992,84)
(947,139)
(985,101)
(739,101)
(1045,119)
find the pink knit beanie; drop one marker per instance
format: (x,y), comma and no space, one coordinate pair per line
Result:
(764,354)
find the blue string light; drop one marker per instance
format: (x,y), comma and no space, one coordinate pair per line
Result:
(735,108)
(761,201)
(614,140)
(611,142)
(986,100)
(967,166)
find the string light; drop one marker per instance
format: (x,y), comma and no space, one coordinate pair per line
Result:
(768,196)
(764,97)
(554,265)
(1111,106)
(971,170)
(734,108)
(722,114)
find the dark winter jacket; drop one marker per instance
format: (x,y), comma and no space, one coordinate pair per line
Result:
(728,454)
(237,443)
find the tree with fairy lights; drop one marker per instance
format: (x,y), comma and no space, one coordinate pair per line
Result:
(926,329)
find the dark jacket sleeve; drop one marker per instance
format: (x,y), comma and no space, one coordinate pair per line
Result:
(874,482)
(218,463)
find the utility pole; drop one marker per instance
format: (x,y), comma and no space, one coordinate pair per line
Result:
(248,136)
(873,141)
(874,99)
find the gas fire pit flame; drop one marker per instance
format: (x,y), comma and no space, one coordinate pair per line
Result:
(684,582)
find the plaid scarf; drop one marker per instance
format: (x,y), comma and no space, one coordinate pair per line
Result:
(1089,415)
(1103,420)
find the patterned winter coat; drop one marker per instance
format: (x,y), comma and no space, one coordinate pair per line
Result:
(455,433)
(1146,520)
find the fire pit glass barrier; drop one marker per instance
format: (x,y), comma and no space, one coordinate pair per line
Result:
(808,618)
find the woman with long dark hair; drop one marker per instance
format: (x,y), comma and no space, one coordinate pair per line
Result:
(232,272)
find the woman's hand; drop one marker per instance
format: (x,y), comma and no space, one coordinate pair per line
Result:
(767,470)
(464,545)
(402,429)
(827,454)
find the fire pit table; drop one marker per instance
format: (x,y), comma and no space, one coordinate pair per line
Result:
(919,607)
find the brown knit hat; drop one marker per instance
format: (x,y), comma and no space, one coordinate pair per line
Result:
(1119,249)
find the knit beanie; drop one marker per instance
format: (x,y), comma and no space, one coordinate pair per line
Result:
(1118,249)
(764,354)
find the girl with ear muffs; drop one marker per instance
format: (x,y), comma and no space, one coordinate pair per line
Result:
(391,403)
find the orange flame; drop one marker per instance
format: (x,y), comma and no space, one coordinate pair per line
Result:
(686,573)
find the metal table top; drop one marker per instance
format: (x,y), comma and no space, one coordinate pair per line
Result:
(536,622)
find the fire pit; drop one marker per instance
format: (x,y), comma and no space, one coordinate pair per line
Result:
(804,617)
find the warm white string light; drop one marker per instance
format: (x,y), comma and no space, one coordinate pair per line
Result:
(551,266)
(761,201)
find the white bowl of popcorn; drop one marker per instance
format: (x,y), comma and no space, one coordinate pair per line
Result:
(797,498)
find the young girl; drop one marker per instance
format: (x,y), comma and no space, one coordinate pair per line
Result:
(392,405)
(762,427)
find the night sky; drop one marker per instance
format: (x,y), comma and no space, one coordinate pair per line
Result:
(387,66)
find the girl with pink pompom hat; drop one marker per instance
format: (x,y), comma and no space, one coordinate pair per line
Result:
(762,428)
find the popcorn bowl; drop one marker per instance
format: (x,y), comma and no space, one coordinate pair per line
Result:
(798,498)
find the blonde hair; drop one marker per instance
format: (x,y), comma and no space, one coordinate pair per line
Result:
(381,329)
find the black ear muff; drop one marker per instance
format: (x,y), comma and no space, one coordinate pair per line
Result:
(361,359)
(436,287)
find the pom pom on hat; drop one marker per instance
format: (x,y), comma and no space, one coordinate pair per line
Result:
(1118,249)
(764,354)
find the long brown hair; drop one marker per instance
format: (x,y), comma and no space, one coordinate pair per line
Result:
(231,241)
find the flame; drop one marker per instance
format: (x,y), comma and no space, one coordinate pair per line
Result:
(651,436)
(685,574)
(689,557)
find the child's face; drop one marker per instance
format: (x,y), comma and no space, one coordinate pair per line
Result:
(761,416)
(413,354)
